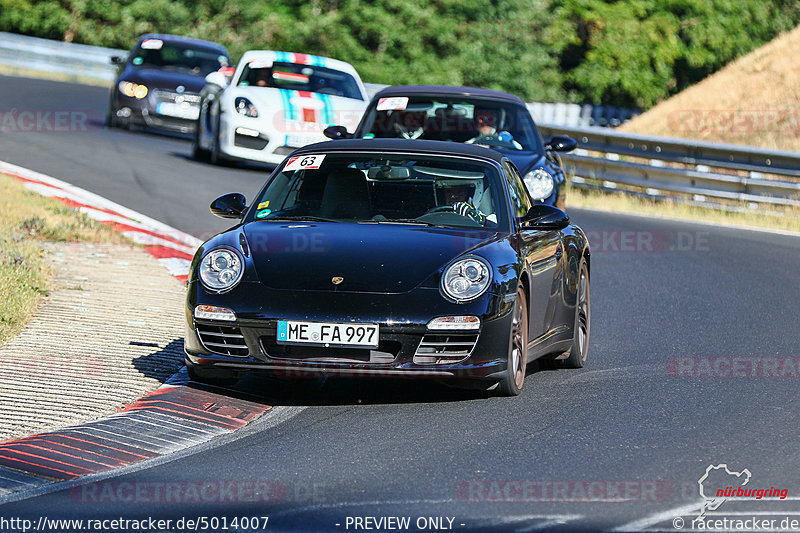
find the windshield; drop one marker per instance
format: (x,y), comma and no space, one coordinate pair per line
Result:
(471,120)
(178,57)
(381,188)
(296,77)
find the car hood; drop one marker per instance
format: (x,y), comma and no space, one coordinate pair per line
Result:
(377,258)
(164,79)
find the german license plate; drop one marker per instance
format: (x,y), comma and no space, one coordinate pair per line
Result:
(178,110)
(326,333)
(296,140)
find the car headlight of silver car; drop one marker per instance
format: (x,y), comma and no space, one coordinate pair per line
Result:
(245,107)
(539,183)
(466,279)
(221,269)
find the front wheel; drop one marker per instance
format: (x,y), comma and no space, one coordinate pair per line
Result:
(514,376)
(216,151)
(580,339)
(200,154)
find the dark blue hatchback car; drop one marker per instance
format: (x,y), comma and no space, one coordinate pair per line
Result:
(159,83)
(495,119)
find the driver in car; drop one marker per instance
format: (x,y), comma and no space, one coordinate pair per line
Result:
(486,125)
(410,124)
(462,197)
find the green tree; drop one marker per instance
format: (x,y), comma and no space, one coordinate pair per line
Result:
(638,52)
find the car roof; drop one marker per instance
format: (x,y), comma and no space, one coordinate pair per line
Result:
(448,90)
(304,59)
(181,39)
(402,145)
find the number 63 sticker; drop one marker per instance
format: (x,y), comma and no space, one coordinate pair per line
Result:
(304,162)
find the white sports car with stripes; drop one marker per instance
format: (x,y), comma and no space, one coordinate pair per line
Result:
(276,102)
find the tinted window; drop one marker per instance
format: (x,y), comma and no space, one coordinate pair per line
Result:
(520,201)
(297,77)
(491,123)
(378,188)
(179,57)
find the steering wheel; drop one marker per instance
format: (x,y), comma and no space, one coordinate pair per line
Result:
(409,133)
(498,140)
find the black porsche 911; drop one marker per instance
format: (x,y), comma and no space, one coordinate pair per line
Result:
(471,115)
(159,84)
(389,258)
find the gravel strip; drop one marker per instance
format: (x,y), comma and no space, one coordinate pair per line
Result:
(110,331)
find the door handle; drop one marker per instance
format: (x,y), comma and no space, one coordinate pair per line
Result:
(559,252)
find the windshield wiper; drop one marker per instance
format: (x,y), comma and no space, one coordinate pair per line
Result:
(412,221)
(300,218)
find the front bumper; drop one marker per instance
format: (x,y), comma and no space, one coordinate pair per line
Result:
(406,348)
(255,139)
(160,110)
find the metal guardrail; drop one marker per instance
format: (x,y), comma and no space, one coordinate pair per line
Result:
(682,167)
(69,59)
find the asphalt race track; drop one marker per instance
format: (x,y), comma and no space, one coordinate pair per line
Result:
(691,363)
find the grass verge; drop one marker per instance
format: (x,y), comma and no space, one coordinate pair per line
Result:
(28,221)
(622,203)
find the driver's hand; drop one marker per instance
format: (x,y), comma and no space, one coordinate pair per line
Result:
(466,210)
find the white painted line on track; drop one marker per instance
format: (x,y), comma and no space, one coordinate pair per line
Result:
(176,266)
(103,216)
(147,239)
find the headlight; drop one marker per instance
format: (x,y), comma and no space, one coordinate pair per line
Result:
(539,183)
(132,90)
(221,269)
(466,279)
(245,107)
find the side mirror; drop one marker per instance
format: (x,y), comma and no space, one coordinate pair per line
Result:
(561,143)
(232,205)
(543,216)
(337,132)
(217,78)
(117,60)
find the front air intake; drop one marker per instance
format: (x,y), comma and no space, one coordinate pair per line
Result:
(222,340)
(444,348)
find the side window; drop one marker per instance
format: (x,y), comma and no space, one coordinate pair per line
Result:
(520,201)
